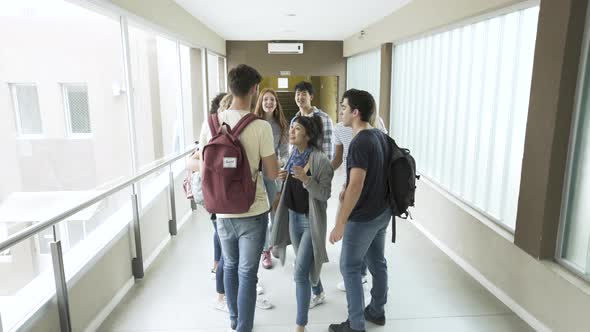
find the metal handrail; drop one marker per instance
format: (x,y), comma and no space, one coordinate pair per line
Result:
(34,229)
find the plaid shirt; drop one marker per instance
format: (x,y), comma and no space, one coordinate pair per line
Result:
(327,141)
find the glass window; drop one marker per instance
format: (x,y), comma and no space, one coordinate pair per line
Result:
(460,103)
(363,72)
(161,92)
(575,241)
(49,44)
(76,108)
(26,107)
(216,75)
(191,68)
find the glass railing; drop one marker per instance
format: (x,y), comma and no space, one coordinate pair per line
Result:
(68,241)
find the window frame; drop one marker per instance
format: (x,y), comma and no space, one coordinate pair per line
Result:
(17,111)
(67,112)
(583,82)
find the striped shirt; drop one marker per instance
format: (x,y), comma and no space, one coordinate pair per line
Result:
(327,144)
(343,136)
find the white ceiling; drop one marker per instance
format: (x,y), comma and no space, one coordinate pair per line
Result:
(272,20)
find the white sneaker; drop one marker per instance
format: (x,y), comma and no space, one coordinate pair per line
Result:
(342,287)
(259,290)
(317,300)
(263,304)
(221,305)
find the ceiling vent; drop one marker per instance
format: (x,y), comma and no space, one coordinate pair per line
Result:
(285,48)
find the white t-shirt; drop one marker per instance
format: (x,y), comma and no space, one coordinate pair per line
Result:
(257,141)
(343,136)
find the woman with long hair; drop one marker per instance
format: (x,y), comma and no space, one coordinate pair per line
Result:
(269,108)
(301,214)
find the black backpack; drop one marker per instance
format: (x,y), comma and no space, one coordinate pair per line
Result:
(401,181)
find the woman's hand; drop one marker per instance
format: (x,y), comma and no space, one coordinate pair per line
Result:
(299,174)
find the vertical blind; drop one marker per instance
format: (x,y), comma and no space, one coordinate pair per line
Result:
(363,72)
(460,103)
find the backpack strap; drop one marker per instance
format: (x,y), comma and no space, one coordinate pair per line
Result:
(244,121)
(213,124)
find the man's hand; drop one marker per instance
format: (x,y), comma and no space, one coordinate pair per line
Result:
(341,197)
(282,175)
(337,233)
(299,174)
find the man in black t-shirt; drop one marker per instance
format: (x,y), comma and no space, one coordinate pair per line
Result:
(364,214)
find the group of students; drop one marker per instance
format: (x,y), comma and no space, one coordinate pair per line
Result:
(297,162)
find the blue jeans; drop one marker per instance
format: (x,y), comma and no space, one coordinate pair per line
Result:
(271,191)
(241,241)
(365,240)
(219,259)
(216,244)
(301,239)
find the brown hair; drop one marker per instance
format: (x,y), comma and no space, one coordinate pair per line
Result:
(277,114)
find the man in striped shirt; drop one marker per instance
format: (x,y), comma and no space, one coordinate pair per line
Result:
(343,137)
(303,98)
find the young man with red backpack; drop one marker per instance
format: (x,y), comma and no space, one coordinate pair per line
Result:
(236,146)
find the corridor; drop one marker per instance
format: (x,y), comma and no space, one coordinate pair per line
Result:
(428,291)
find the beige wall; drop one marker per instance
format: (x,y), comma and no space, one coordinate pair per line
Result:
(319,58)
(417,17)
(170,16)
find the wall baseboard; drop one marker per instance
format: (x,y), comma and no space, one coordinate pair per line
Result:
(108,309)
(486,283)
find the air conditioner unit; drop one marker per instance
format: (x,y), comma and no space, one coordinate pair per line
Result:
(285,48)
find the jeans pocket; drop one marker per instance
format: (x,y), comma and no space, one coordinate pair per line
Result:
(222,230)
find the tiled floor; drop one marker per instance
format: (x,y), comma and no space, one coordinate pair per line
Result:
(428,292)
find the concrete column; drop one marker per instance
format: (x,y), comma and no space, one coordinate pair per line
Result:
(385,85)
(552,102)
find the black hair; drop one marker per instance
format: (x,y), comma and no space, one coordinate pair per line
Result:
(304,86)
(215,103)
(241,79)
(313,128)
(362,101)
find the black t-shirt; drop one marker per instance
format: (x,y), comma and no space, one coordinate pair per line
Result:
(296,197)
(367,151)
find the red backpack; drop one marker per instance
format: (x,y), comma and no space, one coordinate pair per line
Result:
(226,177)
